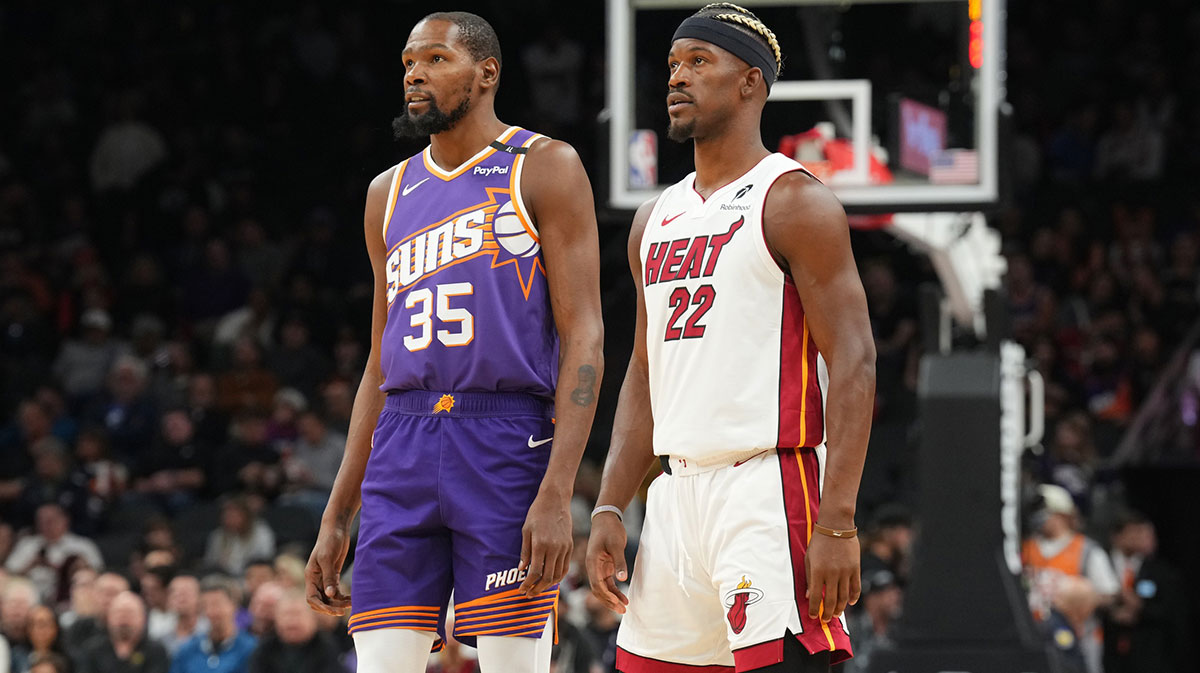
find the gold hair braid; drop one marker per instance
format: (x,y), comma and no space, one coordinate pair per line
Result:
(753,23)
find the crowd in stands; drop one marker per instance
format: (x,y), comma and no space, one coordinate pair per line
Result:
(184,304)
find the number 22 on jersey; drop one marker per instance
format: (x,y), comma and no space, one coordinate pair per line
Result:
(427,303)
(679,301)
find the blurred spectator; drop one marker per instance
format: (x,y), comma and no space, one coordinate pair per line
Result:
(44,637)
(215,288)
(42,556)
(1069,623)
(53,482)
(184,619)
(212,424)
(261,611)
(297,362)
(17,602)
(1129,149)
(105,479)
(1146,629)
(31,425)
(246,385)
(5,656)
(338,398)
(888,541)
(249,462)
(285,415)
(309,469)
(224,649)
(1055,554)
(152,585)
(83,365)
(1071,460)
(173,474)
(871,623)
(125,410)
(83,603)
(107,587)
(295,645)
(574,652)
(289,570)
(240,537)
(258,572)
(124,648)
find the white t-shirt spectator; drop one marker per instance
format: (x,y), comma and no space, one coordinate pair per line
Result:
(231,552)
(40,560)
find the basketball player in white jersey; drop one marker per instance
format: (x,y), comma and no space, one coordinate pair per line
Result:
(752,379)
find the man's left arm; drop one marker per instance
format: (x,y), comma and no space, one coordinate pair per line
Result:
(559,197)
(808,235)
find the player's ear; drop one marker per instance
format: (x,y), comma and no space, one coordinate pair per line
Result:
(750,81)
(490,72)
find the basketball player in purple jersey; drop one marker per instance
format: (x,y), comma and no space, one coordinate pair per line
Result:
(463,448)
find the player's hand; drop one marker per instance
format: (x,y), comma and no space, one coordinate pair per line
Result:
(606,561)
(322,576)
(832,567)
(546,543)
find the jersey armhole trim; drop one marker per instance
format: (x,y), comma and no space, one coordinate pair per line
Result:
(515,185)
(397,173)
(764,248)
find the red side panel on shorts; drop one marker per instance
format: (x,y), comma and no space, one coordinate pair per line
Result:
(801,414)
(801,499)
(627,662)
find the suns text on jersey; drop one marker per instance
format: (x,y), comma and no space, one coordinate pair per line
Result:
(430,250)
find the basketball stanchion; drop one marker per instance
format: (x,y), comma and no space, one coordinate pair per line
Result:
(964,607)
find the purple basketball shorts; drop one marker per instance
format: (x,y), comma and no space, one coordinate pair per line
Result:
(447,488)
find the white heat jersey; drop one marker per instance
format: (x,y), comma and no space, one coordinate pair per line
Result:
(733,368)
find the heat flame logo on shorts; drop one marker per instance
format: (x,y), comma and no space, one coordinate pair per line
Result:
(445,404)
(745,594)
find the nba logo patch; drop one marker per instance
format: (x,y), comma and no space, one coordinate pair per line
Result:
(446,403)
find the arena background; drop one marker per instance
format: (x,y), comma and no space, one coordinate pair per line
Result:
(185,298)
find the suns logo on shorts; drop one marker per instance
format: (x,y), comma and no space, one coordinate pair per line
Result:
(743,595)
(446,403)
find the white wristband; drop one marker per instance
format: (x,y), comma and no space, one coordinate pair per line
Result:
(608,508)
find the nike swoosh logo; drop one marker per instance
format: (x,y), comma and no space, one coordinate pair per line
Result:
(409,188)
(741,462)
(534,445)
(668,220)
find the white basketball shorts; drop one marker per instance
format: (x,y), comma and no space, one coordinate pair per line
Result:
(719,578)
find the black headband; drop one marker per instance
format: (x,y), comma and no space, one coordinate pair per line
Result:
(732,40)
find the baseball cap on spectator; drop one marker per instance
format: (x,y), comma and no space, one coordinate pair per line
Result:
(878,581)
(96,318)
(1056,499)
(293,398)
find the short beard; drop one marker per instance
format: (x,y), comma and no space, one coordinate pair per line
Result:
(681,132)
(429,123)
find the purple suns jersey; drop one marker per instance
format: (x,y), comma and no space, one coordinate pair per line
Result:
(468,305)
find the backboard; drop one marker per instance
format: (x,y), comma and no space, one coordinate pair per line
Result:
(894,104)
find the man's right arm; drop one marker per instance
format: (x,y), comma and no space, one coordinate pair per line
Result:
(631,450)
(333,542)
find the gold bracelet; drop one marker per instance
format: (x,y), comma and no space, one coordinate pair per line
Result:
(831,532)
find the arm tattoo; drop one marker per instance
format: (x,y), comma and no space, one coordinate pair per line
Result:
(584,395)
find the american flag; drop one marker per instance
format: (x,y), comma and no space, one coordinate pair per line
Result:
(954,167)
